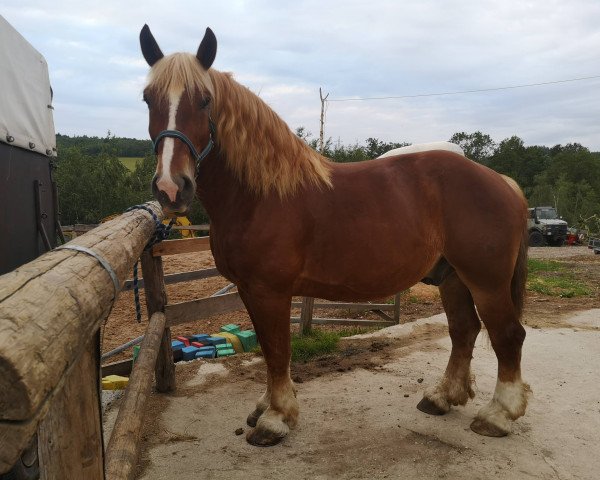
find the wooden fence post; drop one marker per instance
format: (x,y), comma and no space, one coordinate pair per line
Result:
(124,445)
(156,300)
(306,315)
(397,308)
(70,436)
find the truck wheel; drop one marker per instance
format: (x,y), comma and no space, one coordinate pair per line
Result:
(536,239)
(559,242)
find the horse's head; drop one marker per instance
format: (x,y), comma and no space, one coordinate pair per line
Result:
(179,96)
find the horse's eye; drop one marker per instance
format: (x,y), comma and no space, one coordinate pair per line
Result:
(204,103)
(145,98)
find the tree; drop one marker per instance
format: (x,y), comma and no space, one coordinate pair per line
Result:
(521,163)
(90,187)
(576,163)
(138,182)
(305,135)
(477,146)
(375,147)
(508,156)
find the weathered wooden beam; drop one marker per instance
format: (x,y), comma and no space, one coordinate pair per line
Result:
(382,315)
(78,228)
(178,277)
(15,436)
(124,446)
(122,367)
(156,299)
(205,227)
(306,315)
(49,309)
(203,308)
(397,308)
(184,245)
(70,436)
(346,321)
(354,307)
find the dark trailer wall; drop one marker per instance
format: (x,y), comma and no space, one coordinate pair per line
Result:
(28,216)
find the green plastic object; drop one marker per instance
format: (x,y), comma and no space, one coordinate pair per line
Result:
(231,328)
(224,346)
(136,352)
(225,352)
(248,339)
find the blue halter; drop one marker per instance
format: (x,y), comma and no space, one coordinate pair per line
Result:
(198,157)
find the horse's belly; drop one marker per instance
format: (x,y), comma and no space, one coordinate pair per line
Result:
(362,275)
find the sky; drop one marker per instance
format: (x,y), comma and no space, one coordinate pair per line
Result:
(285,51)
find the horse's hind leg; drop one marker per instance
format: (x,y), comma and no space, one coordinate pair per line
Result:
(277,410)
(507,335)
(463,323)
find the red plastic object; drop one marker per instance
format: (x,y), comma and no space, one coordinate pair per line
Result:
(197,344)
(185,340)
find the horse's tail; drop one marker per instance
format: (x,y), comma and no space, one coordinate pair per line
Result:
(517,286)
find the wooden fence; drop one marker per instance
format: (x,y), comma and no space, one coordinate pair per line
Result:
(51,311)
(50,315)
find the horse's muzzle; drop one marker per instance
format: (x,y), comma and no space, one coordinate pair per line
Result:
(176,200)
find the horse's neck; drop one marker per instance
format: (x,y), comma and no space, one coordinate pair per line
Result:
(220,192)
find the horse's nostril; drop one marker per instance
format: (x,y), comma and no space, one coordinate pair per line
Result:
(187,184)
(168,187)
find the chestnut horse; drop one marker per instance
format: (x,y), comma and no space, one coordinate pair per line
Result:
(286,221)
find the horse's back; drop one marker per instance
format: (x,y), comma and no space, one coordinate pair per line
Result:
(434,199)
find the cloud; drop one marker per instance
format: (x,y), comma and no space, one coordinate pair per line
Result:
(285,51)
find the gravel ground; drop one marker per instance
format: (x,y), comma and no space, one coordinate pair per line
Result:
(361,422)
(559,252)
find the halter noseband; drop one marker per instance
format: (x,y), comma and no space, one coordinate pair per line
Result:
(198,157)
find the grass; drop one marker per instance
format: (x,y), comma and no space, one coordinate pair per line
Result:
(320,342)
(130,162)
(552,278)
(536,266)
(405,296)
(315,344)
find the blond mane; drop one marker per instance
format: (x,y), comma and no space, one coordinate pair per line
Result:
(178,72)
(256,143)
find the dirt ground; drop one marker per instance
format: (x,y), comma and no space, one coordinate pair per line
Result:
(358,416)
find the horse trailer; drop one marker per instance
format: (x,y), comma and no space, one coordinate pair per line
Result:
(28,196)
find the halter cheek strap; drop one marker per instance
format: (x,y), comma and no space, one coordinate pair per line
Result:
(198,157)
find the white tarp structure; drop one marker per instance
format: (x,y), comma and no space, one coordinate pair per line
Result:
(25,95)
(424,147)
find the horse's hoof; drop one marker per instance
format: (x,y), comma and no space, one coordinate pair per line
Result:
(427,406)
(487,429)
(263,438)
(253,418)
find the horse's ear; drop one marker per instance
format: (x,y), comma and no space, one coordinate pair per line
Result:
(150,48)
(207,51)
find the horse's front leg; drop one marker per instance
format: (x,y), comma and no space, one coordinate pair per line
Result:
(277,410)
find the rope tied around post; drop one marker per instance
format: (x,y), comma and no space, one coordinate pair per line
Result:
(161,232)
